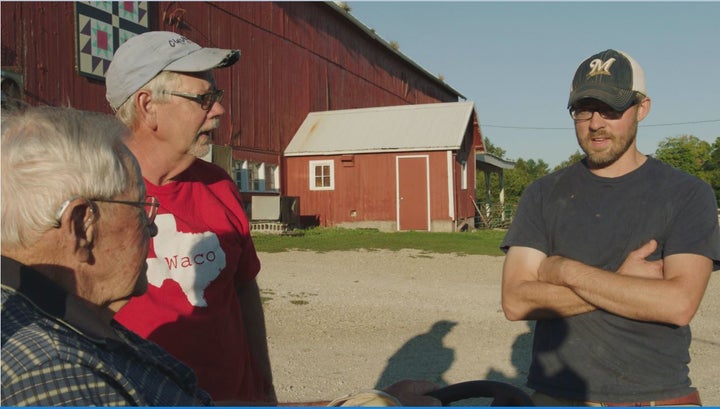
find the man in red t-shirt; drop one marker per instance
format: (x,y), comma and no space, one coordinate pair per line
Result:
(203,302)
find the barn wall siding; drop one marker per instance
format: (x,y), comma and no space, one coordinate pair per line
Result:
(296,58)
(367,191)
(38,42)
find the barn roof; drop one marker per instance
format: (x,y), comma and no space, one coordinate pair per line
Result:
(425,127)
(372,34)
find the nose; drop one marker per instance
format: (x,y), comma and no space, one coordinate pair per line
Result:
(216,110)
(596,121)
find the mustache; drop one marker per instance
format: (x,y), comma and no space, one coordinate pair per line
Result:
(214,124)
(601,133)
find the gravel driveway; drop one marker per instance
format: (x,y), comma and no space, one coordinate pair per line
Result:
(339,322)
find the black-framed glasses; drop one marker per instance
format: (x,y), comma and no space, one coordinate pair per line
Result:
(206,100)
(584,113)
(151,205)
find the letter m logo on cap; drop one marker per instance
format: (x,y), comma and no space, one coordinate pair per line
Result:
(600,67)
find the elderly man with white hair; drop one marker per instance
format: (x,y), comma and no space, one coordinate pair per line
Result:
(76,224)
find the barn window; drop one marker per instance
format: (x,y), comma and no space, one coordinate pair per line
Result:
(256,176)
(322,175)
(464,176)
(272,177)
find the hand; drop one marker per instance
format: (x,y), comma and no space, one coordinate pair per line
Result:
(636,265)
(412,393)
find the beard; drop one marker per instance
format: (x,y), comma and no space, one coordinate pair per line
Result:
(620,145)
(201,145)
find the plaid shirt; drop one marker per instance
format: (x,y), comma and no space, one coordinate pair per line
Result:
(46,361)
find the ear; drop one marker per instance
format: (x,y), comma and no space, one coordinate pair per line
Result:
(79,222)
(146,108)
(643,109)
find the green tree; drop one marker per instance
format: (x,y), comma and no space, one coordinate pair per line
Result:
(494,177)
(524,173)
(715,155)
(516,180)
(494,150)
(574,158)
(711,170)
(694,156)
(686,152)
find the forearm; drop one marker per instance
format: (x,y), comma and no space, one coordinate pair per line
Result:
(524,297)
(533,300)
(672,299)
(254,319)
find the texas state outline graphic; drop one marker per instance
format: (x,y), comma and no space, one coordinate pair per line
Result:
(193,260)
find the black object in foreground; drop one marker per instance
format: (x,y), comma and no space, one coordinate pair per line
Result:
(503,394)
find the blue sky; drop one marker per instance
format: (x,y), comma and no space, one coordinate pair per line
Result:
(515,61)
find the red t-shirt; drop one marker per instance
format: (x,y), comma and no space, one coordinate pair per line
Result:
(191,307)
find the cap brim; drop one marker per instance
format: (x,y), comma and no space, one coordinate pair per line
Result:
(617,99)
(204,59)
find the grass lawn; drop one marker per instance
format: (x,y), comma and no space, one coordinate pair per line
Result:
(481,242)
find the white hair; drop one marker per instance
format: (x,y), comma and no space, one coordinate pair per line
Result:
(156,86)
(51,154)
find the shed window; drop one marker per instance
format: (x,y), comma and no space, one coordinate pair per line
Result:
(322,175)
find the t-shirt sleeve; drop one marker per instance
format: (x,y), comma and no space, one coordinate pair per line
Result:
(695,228)
(249,266)
(528,227)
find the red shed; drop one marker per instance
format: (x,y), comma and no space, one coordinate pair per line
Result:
(407,167)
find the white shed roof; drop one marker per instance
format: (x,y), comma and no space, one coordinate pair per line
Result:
(423,127)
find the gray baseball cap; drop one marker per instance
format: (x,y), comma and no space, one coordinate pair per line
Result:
(610,76)
(144,56)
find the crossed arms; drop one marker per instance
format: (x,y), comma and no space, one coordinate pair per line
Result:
(535,286)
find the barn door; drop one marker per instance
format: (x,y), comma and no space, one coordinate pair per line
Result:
(413,193)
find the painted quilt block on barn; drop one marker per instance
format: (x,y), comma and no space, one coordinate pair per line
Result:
(101,28)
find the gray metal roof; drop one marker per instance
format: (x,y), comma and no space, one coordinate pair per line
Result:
(423,127)
(493,160)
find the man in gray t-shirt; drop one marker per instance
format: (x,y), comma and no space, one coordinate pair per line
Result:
(611,256)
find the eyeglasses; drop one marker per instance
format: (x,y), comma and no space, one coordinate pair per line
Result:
(150,205)
(584,113)
(206,100)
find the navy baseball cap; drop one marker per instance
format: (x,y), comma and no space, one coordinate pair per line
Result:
(610,76)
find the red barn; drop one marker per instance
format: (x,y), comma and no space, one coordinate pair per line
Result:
(296,58)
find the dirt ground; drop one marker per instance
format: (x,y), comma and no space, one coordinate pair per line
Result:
(340,322)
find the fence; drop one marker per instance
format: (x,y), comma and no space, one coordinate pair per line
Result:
(493,215)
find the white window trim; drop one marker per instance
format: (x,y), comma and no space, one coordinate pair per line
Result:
(275,169)
(311,175)
(261,171)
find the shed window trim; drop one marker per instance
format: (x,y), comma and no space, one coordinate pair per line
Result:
(322,175)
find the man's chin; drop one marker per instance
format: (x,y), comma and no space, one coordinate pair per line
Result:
(200,151)
(201,147)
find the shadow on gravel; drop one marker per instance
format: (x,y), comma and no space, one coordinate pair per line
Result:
(423,357)
(520,357)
